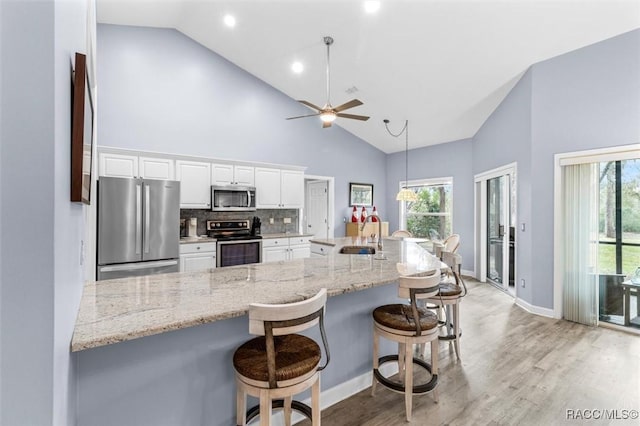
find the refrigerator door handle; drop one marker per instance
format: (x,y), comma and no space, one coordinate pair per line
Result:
(146,218)
(138,217)
(143,265)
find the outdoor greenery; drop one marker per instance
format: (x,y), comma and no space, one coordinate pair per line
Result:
(630,215)
(430,216)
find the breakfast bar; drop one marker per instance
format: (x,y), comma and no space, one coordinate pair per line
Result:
(157,349)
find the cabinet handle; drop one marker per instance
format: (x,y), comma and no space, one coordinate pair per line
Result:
(197,248)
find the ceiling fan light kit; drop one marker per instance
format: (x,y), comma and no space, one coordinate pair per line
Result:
(329,113)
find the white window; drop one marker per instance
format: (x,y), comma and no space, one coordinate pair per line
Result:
(430,216)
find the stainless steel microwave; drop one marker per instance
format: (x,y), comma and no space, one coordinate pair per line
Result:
(233,198)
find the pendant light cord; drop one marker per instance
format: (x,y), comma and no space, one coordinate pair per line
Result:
(404,130)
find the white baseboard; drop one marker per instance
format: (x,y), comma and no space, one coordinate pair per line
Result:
(538,310)
(338,393)
(468,273)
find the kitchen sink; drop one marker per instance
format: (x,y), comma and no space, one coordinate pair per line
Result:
(357,250)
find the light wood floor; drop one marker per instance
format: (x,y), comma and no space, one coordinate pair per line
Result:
(517,369)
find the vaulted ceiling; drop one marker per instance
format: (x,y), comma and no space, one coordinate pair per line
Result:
(445,65)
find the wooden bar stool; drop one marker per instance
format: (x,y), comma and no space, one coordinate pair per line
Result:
(408,325)
(279,363)
(450,293)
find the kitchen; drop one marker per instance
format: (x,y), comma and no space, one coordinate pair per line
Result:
(235,121)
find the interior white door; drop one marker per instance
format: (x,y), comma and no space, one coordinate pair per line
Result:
(317,211)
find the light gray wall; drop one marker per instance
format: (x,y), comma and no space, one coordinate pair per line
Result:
(27,193)
(451,159)
(161,91)
(40,279)
(506,138)
(585,99)
(69,218)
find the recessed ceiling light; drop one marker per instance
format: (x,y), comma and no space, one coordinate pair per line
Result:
(229,21)
(297,67)
(371,6)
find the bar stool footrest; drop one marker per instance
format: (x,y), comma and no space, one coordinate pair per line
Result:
(450,336)
(279,403)
(417,389)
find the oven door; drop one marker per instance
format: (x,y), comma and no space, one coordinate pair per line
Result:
(236,252)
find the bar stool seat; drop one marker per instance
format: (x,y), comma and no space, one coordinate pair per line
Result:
(408,325)
(400,318)
(280,363)
(296,356)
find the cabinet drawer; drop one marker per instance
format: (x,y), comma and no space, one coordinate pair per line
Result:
(275,242)
(299,240)
(197,248)
(321,249)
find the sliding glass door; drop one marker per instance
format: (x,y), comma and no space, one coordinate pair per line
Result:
(500,232)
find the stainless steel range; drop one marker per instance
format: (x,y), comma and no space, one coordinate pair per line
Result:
(235,243)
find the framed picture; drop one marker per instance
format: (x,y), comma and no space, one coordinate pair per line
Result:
(81,133)
(360,194)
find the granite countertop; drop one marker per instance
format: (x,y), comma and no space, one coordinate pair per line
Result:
(194,240)
(286,235)
(113,311)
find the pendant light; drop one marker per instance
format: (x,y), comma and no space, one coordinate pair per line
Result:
(405,194)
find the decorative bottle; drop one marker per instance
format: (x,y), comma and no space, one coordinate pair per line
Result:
(363,216)
(354,215)
(374,215)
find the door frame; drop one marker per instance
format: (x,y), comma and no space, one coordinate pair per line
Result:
(624,152)
(330,203)
(480,228)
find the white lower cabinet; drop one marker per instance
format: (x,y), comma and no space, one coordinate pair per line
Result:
(281,249)
(197,257)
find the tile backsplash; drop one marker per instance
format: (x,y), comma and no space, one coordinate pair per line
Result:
(278,216)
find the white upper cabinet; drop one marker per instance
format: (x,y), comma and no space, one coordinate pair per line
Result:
(279,189)
(228,174)
(292,189)
(118,165)
(157,168)
(267,188)
(132,166)
(195,184)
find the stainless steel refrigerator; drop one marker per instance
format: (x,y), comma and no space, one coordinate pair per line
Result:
(138,227)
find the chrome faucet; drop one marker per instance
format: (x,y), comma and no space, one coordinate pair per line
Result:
(379,228)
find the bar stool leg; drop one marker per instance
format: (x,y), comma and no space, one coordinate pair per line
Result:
(456,328)
(315,403)
(265,408)
(401,361)
(434,365)
(287,410)
(376,341)
(408,379)
(241,407)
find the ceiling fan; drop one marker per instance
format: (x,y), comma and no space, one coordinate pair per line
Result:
(329,113)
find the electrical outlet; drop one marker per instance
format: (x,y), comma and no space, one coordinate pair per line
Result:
(270,221)
(287,220)
(522,282)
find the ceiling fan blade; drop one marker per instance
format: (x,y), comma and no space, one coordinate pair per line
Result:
(352,103)
(354,117)
(302,116)
(309,104)
(326,124)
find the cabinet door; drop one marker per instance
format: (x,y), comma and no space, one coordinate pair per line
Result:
(118,165)
(292,189)
(300,251)
(195,184)
(157,168)
(267,188)
(274,254)
(197,262)
(244,175)
(221,174)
